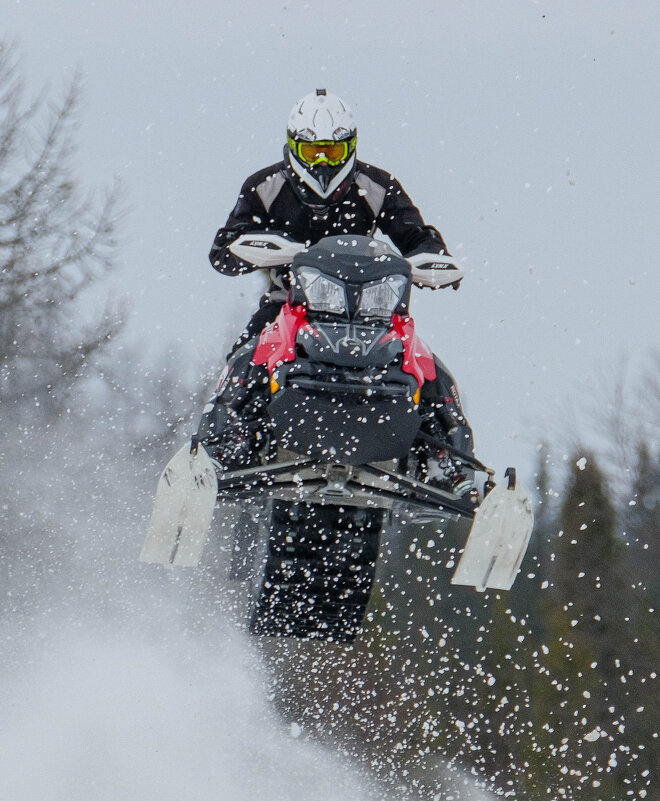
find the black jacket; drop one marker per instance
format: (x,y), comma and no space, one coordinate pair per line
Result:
(374,199)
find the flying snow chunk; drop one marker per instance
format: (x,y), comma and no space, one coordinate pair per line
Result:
(593,735)
(581,463)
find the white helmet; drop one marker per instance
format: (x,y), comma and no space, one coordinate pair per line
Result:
(321,137)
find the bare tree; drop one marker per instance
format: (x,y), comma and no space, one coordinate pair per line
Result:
(56,242)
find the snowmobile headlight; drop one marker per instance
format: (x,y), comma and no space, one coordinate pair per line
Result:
(380,298)
(323,293)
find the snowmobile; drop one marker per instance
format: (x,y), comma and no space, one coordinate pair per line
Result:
(319,434)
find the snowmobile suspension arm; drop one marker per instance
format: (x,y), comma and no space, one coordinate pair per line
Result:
(252,481)
(468,461)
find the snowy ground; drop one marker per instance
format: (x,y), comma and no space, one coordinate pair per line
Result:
(123,681)
(105,716)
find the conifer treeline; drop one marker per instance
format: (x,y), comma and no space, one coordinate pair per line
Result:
(547,691)
(586,669)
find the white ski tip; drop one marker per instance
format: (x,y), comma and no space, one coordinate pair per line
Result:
(183,510)
(498,541)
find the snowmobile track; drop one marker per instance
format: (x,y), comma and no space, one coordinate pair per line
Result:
(318,572)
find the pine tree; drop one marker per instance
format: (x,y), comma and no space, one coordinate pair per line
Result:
(589,661)
(641,520)
(642,524)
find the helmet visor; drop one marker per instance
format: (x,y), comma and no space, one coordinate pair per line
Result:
(332,153)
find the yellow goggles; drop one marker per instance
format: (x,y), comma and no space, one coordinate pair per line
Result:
(332,153)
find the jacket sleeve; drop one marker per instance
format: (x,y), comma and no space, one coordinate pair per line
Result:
(400,219)
(248,214)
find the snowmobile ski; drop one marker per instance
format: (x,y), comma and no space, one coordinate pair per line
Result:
(183,509)
(498,540)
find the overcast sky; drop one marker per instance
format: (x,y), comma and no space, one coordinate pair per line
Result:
(527,132)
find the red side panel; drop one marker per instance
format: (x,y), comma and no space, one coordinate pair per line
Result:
(277,343)
(417,356)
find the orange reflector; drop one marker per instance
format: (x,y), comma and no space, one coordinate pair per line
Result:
(417,395)
(274,386)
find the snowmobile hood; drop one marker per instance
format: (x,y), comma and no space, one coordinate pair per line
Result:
(353,258)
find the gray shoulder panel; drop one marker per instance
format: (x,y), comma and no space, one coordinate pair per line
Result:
(373,193)
(269,189)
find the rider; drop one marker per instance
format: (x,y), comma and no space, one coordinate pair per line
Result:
(320,189)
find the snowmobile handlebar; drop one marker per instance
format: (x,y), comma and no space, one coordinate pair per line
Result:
(268,250)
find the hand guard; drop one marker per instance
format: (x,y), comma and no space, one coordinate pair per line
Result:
(434,270)
(265,249)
